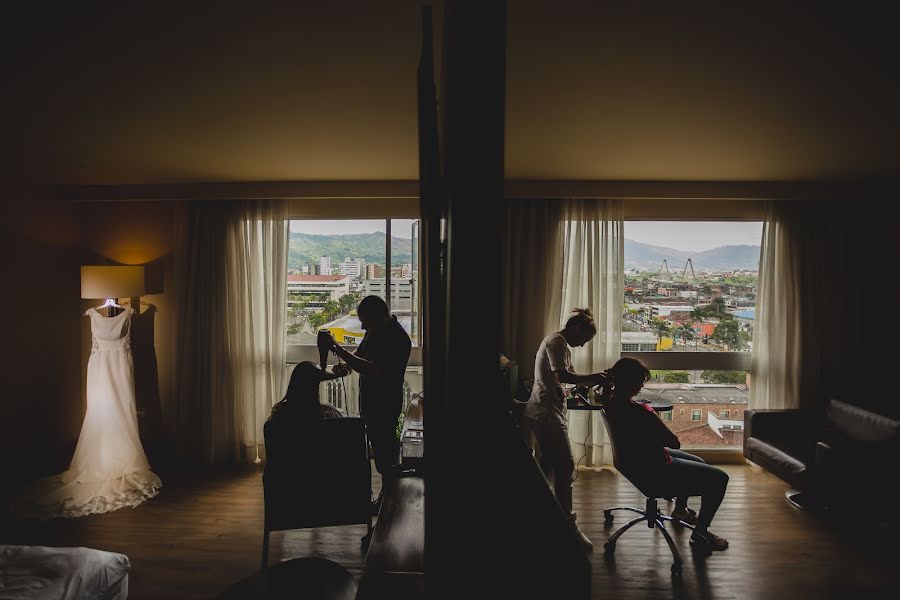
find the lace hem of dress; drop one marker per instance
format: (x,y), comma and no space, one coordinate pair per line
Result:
(52,498)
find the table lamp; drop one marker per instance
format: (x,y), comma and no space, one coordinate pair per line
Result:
(112,283)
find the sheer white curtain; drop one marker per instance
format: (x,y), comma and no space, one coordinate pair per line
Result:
(591,274)
(231,280)
(777,334)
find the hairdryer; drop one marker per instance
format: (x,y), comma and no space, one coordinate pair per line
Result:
(324,342)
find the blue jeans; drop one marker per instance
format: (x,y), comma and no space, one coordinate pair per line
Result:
(689,475)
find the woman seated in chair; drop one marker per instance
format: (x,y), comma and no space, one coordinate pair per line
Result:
(300,408)
(648,453)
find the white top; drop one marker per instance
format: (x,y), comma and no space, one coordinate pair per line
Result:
(548,398)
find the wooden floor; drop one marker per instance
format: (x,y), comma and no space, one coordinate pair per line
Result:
(204,532)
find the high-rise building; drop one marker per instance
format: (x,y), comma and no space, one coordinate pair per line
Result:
(374,271)
(324,265)
(401,292)
(355,268)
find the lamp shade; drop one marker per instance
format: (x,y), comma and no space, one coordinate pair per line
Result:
(112,282)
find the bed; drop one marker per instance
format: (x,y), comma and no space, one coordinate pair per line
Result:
(40,572)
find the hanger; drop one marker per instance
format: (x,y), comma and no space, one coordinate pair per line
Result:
(109,304)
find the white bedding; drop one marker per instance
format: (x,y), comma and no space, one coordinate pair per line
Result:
(39,572)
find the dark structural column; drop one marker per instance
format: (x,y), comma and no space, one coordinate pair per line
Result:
(493,528)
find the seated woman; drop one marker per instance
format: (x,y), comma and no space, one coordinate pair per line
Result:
(300,408)
(647,454)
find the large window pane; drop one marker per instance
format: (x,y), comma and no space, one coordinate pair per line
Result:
(329,263)
(708,406)
(690,286)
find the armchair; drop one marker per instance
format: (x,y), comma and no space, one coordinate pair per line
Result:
(317,477)
(824,456)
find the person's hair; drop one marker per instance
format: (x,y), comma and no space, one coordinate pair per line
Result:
(629,371)
(373,306)
(582,319)
(303,388)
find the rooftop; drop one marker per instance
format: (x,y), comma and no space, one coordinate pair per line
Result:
(316,278)
(692,393)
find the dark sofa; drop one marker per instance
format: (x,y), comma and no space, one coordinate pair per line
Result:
(828,458)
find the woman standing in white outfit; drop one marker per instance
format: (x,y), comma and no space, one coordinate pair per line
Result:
(546,408)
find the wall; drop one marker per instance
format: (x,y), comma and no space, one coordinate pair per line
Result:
(40,402)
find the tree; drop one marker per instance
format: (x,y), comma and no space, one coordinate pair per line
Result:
(317,320)
(686,332)
(676,377)
(724,376)
(661,328)
(346,302)
(716,308)
(728,332)
(698,314)
(331,310)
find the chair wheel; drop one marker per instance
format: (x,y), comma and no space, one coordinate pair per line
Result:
(676,570)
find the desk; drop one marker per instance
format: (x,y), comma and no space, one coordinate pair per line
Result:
(395,562)
(657,405)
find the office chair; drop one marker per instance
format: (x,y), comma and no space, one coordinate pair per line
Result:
(649,514)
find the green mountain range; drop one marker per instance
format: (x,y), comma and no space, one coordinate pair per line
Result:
(722,258)
(306,248)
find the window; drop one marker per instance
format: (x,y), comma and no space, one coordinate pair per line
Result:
(689,308)
(333,264)
(666,416)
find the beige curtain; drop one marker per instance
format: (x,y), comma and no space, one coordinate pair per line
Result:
(231,286)
(530,293)
(592,274)
(777,345)
(825,323)
(558,255)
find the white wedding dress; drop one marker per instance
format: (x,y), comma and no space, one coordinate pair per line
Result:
(109,469)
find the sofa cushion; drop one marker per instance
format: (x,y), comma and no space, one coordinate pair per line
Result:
(788,464)
(862,425)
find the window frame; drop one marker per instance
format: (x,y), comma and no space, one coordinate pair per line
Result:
(296,353)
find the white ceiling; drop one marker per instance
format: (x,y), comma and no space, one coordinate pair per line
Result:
(318,90)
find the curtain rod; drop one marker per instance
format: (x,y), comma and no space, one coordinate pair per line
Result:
(407,189)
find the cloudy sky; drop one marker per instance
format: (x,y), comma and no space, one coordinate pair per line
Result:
(694,236)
